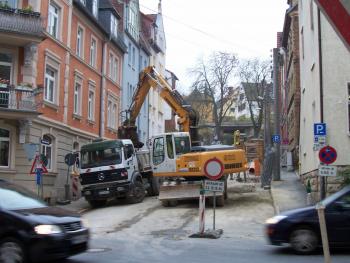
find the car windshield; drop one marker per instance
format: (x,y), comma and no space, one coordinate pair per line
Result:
(182,145)
(13,197)
(102,157)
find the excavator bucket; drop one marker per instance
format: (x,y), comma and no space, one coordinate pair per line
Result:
(130,132)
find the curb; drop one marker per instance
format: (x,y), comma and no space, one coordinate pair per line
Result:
(274,204)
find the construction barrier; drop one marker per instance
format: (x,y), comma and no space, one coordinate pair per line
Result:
(201,213)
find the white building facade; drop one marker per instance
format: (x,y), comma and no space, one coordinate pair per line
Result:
(325,91)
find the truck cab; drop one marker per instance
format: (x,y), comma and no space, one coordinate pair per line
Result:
(109,169)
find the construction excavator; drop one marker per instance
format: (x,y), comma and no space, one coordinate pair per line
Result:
(176,158)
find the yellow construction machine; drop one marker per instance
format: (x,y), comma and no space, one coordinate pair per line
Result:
(176,158)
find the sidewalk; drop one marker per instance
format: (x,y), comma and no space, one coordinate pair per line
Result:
(289,193)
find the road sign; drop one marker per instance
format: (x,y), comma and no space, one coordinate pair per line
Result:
(321,139)
(70,158)
(214,186)
(327,170)
(213,169)
(276,138)
(338,14)
(320,129)
(327,155)
(38,165)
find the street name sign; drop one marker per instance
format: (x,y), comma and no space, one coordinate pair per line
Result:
(327,170)
(214,186)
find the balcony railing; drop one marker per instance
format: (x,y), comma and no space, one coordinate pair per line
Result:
(21,22)
(18,98)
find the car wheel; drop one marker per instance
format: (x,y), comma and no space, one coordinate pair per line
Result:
(97,203)
(137,193)
(303,240)
(11,251)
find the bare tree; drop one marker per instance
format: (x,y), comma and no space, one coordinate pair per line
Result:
(212,77)
(255,76)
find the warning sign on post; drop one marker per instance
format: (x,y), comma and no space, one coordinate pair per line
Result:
(214,186)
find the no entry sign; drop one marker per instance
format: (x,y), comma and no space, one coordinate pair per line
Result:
(327,155)
(213,169)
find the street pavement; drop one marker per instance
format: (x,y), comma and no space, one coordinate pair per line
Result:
(149,232)
(288,193)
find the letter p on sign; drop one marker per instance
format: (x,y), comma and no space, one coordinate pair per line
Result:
(320,129)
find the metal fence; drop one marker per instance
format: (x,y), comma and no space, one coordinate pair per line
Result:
(19,98)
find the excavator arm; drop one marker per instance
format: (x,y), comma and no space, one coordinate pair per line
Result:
(149,77)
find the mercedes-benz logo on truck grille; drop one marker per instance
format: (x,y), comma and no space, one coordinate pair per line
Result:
(101,176)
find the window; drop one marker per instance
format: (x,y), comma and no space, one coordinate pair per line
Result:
(53,20)
(112,113)
(93,49)
(80,40)
(349,107)
(128,151)
(46,150)
(4,147)
(133,57)
(114,26)
(91,105)
(6,67)
(95,8)
(77,98)
(129,53)
(169,146)
(50,84)
(113,67)
(83,2)
(158,150)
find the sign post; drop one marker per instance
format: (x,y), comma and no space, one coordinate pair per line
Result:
(37,169)
(213,170)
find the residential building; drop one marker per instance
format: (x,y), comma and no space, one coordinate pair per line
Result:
(20,34)
(153,30)
(325,90)
(135,60)
(289,83)
(79,65)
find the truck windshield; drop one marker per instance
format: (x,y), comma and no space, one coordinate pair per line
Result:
(103,157)
(182,145)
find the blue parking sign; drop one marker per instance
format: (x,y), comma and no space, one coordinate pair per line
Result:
(276,138)
(320,129)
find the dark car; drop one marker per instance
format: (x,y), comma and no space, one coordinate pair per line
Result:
(32,231)
(300,227)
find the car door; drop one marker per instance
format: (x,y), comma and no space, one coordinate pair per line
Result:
(338,220)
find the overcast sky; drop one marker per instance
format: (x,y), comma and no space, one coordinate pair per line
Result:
(195,28)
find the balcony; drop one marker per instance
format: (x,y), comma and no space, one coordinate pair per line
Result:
(20,27)
(18,102)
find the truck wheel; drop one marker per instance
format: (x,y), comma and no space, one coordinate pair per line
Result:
(137,193)
(97,203)
(154,186)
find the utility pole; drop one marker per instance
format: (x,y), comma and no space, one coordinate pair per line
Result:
(277,145)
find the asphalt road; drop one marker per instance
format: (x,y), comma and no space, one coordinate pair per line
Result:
(148,232)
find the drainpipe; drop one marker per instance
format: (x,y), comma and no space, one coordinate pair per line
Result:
(102,90)
(322,178)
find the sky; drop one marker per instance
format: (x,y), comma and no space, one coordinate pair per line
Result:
(196,28)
